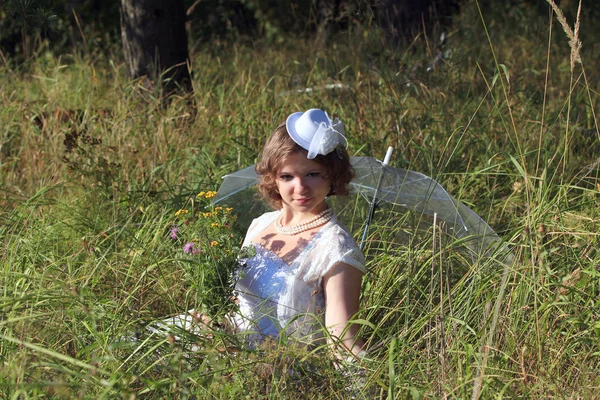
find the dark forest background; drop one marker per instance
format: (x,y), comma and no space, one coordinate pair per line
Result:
(63,24)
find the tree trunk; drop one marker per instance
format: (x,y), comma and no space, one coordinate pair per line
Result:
(155,42)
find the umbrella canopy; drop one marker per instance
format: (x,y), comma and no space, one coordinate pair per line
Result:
(408,189)
(235,183)
(420,193)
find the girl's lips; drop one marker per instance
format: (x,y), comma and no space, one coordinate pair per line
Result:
(303,201)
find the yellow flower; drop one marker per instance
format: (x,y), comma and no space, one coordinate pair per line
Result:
(218,208)
(214,243)
(179,212)
(228,210)
(215,225)
(201,194)
(210,194)
(206,214)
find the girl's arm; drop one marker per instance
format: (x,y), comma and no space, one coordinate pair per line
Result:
(342,291)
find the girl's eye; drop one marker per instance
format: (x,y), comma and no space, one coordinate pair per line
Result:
(285,177)
(314,174)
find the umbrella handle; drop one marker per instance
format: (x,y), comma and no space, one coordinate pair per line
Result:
(385,162)
(388,155)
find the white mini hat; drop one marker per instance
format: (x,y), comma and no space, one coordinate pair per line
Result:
(315,132)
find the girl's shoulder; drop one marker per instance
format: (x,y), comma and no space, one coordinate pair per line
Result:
(258,225)
(336,232)
(335,245)
(263,221)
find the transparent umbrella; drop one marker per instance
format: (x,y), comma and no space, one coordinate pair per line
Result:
(379,183)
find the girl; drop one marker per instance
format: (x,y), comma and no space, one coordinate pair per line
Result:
(307,270)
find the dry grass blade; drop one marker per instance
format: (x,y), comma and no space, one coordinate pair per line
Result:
(572,34)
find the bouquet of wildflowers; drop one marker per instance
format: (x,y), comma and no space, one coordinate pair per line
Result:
(210,249)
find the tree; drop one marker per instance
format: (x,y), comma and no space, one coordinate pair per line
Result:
(155,42)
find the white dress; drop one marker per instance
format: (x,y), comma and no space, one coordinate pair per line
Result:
(276,297)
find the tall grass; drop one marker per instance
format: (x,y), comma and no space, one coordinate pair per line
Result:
(93,168)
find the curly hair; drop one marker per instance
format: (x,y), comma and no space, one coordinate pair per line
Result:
(280,146)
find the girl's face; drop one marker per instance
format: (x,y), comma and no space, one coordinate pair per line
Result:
(302,185)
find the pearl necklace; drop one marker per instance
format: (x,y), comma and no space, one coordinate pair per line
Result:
(320,219)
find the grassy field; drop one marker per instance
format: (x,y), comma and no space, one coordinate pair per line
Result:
(93,171)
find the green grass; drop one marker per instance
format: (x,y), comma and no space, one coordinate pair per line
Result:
(515,140)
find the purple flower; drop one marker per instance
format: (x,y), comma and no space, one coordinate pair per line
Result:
(174,232)
(196,251)
(188,248)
